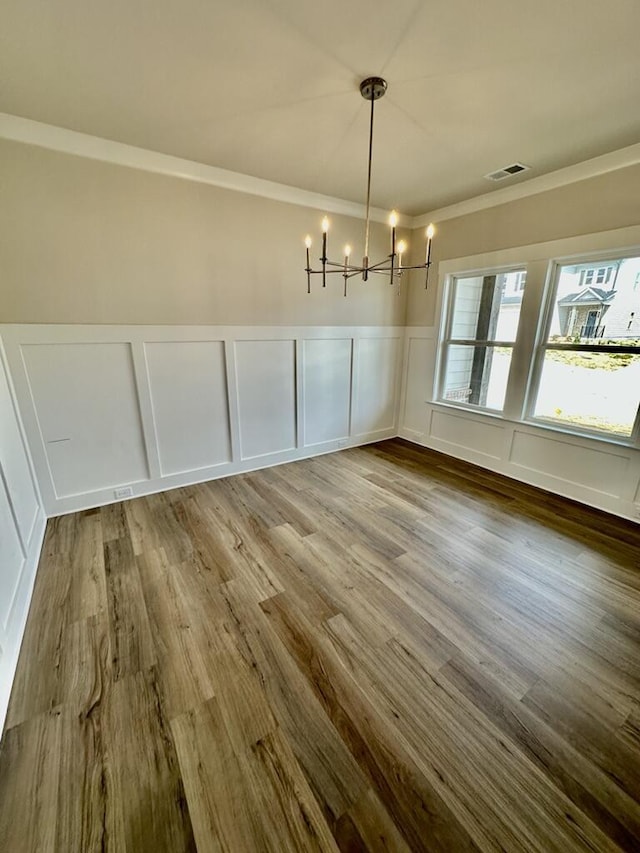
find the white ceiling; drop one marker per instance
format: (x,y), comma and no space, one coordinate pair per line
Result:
(270,87)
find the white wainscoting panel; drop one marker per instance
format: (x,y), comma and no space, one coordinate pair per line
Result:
(154,407)
(188,385)
(595,472)
(266,377)
(15,465)
(86,404)
(22,524)
(327,389)
(419,353)
(483,439)
(11,557)
(600,469)
(376,380)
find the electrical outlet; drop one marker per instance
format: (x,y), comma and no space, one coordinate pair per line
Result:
(124,492)
(343,442)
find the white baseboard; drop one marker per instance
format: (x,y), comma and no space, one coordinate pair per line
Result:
(616,504)
(90,500)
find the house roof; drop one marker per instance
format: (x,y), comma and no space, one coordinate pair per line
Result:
(588,296)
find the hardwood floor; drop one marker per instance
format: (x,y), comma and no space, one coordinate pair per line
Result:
(381,649)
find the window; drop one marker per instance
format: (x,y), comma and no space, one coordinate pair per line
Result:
(571,363)
(483,321)
(596,275)
(588,367)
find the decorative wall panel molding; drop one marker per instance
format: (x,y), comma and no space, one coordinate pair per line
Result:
(595,472)
(266,387)
(449,429)
(88,414)
(189,403)
(601,470)
(326,383)
(376,383)
(22,524)
(147,408)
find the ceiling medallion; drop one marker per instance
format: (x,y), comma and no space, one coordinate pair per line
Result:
(371,90)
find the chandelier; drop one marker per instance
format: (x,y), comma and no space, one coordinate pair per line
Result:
(371,89)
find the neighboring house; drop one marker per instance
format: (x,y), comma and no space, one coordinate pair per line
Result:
(582,314)
(599,301)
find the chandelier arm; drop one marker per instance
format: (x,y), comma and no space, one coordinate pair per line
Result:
(381,266)
(339,264)
(416,267)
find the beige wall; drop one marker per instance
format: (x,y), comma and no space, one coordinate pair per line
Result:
(598,204)
(83,241)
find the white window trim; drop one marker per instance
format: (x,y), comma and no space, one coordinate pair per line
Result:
(541,261)
(447,341)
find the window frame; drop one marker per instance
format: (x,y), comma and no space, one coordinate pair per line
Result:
(540,261)
(545,317)
(446,341)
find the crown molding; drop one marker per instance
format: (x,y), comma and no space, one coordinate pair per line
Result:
(61,139)
(29,132)
(610,162)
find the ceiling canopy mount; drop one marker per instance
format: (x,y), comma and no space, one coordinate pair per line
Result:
(373,88)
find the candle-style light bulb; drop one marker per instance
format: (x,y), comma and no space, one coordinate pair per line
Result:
(430,232)
(307,242)
(393,218)
(402,248)
(325,224)
(347,250)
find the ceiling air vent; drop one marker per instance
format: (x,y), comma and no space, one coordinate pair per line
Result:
(507,172)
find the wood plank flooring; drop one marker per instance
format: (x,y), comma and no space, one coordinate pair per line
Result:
(380,649)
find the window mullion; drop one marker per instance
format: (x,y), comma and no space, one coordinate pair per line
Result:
(524,347)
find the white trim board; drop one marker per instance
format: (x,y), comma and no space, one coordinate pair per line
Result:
(49,136)
(602,244)
(22,527)
(29,132)
(610,162)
